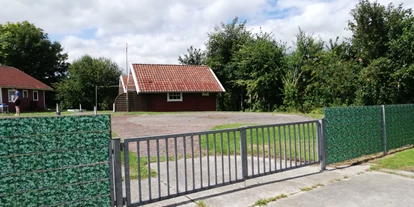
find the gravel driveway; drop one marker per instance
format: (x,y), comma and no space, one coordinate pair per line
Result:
(147,125)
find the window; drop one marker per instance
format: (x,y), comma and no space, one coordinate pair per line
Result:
(205,94)
(35,95)
(174,97)
(11,95)
(25,94)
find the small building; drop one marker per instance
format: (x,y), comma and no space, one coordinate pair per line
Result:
(158,87)
(32,90)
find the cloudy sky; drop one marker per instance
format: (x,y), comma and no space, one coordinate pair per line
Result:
(158,31)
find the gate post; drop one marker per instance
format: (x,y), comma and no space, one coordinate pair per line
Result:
(243,152)
(322,143)
(116,143)
(384,131)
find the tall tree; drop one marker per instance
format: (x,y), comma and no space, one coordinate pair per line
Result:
(84,74)
(28,48)
(260,64)
(222,45)
(194,56)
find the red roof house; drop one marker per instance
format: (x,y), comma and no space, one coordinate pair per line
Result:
(157,87)
(32,90)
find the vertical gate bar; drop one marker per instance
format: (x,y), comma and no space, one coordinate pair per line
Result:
(127,174)
(313,141)
(149,169)
(304,143)
(229,154)
(158,168)
(208,160)
(185,163)
(257,150)
(139,171)
(263,149)
(243,151)
(176,165)
(118,173)
(268,149)
(274,148)
(322,145)
(298,137)
(290,146)
(111,169)
(168,166)
(280,147)
(215,157)
(300,146)
(200,151)
(222,157)
(235,154)
(384,131)
(309,144)
(252,151)
(192,160)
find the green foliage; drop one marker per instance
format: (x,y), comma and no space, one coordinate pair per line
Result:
(194,56)
(28,48)
(374,66)
(84,74)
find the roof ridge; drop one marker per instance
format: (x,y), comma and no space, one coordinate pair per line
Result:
(166,64)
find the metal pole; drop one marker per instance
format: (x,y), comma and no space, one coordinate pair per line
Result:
(118,172)
(127,83)
(96,97)
(322,143)
(243,152)
(384,131)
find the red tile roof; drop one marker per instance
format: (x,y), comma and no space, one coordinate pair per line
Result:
(11,77)
(175,78)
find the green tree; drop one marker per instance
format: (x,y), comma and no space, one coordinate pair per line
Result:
(28,48)
(222,44)
(84,74)
(260,62)
(194,56)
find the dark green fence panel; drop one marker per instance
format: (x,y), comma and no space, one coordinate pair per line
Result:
(352,132)
(55,161)
(399,125)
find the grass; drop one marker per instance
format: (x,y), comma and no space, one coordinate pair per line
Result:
(398,161)
(265,141)
(133,164)
(306,189)
(264,202)
(201,204)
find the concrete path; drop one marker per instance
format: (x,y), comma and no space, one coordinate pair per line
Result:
(351,186)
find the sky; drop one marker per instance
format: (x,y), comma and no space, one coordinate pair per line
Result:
(158,31)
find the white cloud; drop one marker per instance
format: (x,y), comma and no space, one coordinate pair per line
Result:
(157,31)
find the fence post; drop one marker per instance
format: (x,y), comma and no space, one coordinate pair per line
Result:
(322,143)
(243,151)
(384,131)
(117,171)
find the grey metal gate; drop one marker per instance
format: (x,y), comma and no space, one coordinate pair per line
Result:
(162,167)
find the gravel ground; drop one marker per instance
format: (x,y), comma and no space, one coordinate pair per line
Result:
(149,125)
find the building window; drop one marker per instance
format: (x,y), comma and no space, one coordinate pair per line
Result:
(35,95)
(11,95)
(25,94)
(174,97)
(205,94)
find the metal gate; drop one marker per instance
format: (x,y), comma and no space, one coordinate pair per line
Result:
(161,167)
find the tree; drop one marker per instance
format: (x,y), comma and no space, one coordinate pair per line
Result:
(84,74)
(28,48)
(194,56)
(260,62)
(222,45)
